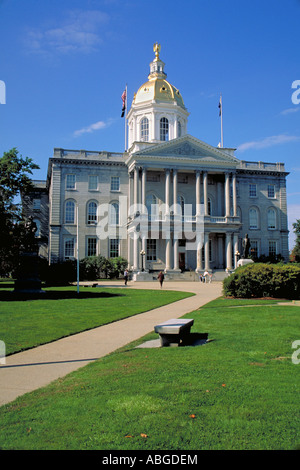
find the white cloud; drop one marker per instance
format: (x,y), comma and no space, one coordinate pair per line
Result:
(78,32)
(268,142)
(93,127)
(295,109)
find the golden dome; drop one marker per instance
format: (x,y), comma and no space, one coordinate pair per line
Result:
(158,88)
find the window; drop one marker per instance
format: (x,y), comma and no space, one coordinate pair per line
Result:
(38,227)
(151,204)
(271,191)
(253,219)
(180,202)
(252,190)
(91,246)
(271,219)
(69,248)
(71,181)
(272,248)
(70,212)
(164,129)
(36,204)
(151,250)
(115,183)
(92,213)
(144,130)
(114,213)
(93,182)
(254,248)
(114,247)
(178,129)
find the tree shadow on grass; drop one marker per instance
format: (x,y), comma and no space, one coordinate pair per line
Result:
(11,296)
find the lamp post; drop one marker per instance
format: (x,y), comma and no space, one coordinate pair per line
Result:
(142,253)
(237,257)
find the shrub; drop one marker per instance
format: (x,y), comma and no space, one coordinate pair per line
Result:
(264,280)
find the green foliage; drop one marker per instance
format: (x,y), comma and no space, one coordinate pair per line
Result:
(296,249)
(264,280)
(14,180)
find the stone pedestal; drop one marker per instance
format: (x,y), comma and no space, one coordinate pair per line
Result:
(244,262)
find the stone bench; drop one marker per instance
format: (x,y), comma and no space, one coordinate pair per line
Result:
(173,332)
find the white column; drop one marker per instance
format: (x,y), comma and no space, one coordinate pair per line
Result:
(199,241)
(168,254)
(206,251)
(144,177)
(136,239)
(175,180)
(136,186)
(235,248)
(167,190)
(234,195)
(205,193)
(176,212)
(198,197)
(228,251)
(227,195)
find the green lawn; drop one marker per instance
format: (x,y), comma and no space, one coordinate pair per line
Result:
(238,391)
(62,312)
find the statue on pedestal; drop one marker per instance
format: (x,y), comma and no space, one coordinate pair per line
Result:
(246,247)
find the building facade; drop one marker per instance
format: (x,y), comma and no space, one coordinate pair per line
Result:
(170,202)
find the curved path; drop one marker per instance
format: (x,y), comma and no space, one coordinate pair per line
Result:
(35,368)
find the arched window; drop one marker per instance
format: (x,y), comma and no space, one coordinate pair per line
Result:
(70,212)
(271,219)
(164,129)
(209,206)
(144,130)
(253,218)
(152,205)
(92,213)
(114,213)
(178,129)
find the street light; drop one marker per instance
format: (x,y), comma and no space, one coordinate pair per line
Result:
(142,253)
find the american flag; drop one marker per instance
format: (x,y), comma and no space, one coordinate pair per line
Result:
(124,102)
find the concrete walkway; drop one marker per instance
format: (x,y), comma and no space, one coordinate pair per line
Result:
(35,368)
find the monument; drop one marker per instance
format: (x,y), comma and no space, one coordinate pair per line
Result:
(246,250)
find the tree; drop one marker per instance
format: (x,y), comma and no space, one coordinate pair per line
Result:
(296,249)
(14,180)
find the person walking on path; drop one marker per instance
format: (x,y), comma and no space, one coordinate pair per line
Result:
(161,277)
(125,276)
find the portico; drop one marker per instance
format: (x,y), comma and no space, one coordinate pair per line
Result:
(195,199)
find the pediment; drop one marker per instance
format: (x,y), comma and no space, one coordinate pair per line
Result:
(188,147)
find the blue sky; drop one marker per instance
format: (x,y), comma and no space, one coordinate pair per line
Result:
(65,64)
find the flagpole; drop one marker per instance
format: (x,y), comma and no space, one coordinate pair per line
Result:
(126,119)
(221,111)
(77,251)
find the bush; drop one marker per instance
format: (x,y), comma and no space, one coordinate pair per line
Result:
(264,280)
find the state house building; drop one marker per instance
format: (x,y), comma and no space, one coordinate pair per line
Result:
(134,204)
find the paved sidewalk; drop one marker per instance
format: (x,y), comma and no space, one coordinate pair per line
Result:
(35,368)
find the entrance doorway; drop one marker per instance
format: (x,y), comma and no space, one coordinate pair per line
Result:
(182,261)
